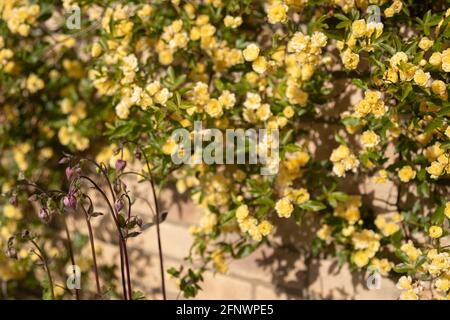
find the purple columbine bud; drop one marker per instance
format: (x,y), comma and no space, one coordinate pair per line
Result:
(14,201)
(120,164)
(44,215)
(138,155)
(69,172)
(119,205)
(11,253)
(70,201)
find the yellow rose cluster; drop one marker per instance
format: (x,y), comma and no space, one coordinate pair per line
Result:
(250,224)
(343,160)
(368,78)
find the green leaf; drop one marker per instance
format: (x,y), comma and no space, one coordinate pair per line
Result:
(340,196)
(264,200)
(438,216)
(227,217)
(436,123)
(246,250)
(406,90)
(122,222)
(138,295)
(402,256)
(403,268)
(313,205)
(424,189)
(359,83)
(342,17)
(420,261)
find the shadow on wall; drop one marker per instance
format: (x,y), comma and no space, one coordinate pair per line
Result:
(287,267)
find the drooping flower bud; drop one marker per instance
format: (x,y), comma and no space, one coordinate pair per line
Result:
(13,201)
(120,164)
(11,253)
(138,155)
(119,205)
(69,173)
(44,215)
(70,201)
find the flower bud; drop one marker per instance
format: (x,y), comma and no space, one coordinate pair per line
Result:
(13,201)
(120,164)
(69,173)
(11,253)
(138,155)
(70,201)
(44,215)
(119,205)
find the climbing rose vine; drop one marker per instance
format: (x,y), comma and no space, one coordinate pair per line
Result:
(103,84)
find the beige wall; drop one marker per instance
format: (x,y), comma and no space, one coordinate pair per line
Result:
(284,272)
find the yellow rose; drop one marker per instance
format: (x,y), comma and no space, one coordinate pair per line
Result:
(447,209)
(350,59)
(359,28)
(284,207)
(277,12)
(435,59)
(265,227)
(435,169)
(361,258)
(242,212)
(259,65)
(409,295)
(438,87)
(213,108)
(251,52)
(370,139)
(406,174)
(421,78)
(405,283)
(169,147)
(435,232)
(425,43)
(96,50)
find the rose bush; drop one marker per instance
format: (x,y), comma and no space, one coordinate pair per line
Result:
(118,85)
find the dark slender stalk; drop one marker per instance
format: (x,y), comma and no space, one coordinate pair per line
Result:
(158,232)
(113,213)
(47,268)
(122,271)
(70,249)
(157,216)
(127,269)
(125,250)
(94,256)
